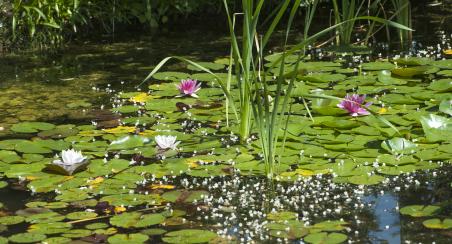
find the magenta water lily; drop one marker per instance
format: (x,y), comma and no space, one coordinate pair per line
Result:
(189,87)
(354,105)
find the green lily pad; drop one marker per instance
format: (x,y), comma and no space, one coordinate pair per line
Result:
(57,240)
(325,238)
(50,228)
(437,128)
(377,66)
(385,77)
(285,215)
(446,107)
(290,229)
(31,147)
(189,236)
(27,237)
(419,210)
(31,127)
(128,238)
(126,109)
(154,232)
(399,145)
(329,225)
(128,142)
(81,215)
(365,179)
(438,224)
(442,85)
(11,220)
(411,71)
(95,226)
(77,233)
(137,220)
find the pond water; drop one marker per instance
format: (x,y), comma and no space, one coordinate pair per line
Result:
(341,178)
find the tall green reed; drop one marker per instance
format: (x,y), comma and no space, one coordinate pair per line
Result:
(255,102)
(402,10)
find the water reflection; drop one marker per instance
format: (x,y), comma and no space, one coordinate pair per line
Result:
(387,218)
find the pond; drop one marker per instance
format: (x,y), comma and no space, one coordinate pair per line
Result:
(160,164)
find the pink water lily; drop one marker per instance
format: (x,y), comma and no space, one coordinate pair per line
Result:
(354,105)
(189,87)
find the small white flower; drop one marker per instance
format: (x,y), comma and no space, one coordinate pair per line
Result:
(71,157)
(166,142)
(70,160)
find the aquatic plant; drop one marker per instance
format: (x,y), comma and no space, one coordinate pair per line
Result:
(252,107)
(353,104)
(166,142)
(402,10)
(70,161)
(189,87)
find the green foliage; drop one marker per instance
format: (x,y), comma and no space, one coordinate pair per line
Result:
(49,23)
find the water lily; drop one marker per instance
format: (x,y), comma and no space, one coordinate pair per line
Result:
(166,142)
(189,87)
(354,105)
(70,161)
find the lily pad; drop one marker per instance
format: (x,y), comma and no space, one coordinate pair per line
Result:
(419,210)
(366,179)
(399,145)
(325,238)
(446,107)
(137,220)
(11,220)
(436,128)
(438,224)
(31,127)
(189,236)
(285,215)
(128,142)
(27,237)
(128,238)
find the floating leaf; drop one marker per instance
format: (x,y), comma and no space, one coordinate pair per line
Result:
(189,236)
(365,179)
(419,210)
(31,127)
(442,85)
(128,142)
(438,224)
(81,215)
(11,220)
(137,220)
(399,146)
(285,215)
(410,72)
(325,238)
(436,128)
(27,237)
(128,238)
(446,107)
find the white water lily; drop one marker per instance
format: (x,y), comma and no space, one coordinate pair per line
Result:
(166,142)
(70,160)
(71,156)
